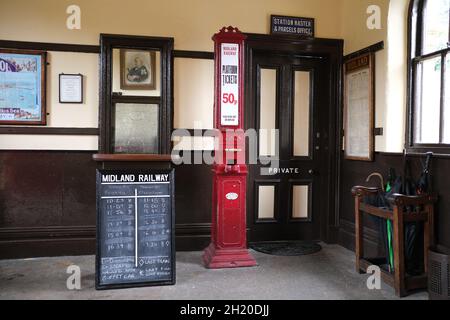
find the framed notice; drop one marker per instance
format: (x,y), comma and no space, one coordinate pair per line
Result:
(359,97)
(135,228)
(70,88)
(22,87)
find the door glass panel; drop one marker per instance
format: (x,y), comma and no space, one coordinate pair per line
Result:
(136,72)
(267,111)
(301,113)
(135,128)
(266,201)
(428,101)
(300,201)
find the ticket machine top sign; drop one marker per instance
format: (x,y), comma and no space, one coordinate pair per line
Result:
(229,75)
(229,44)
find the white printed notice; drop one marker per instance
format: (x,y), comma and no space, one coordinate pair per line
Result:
(229,74)
(71,88)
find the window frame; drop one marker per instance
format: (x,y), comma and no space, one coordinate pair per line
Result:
(415,56)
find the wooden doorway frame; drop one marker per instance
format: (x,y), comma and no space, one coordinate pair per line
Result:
(332,51)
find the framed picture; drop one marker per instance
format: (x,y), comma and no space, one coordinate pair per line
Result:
(70,88)
(22,87)
(137,70)
(359,98)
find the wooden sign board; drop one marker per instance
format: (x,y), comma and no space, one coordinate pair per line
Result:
(359,97)
(299,26)
(135,228)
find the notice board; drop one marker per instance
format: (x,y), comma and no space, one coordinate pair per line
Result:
(359,120)
(135,228)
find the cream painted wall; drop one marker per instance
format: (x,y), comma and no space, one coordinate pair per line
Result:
(73,115)
(193,91)
(390,73)
(47,142)
(83,115)
(192,24)
(357,36)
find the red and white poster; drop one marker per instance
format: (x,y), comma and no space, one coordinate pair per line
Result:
(229,75)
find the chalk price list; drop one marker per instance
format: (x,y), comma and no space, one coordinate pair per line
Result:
(138,235)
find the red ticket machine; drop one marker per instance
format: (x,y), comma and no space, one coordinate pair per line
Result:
(228,248)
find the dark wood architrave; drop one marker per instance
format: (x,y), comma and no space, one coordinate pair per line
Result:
(83,48)
(370,49)
(49,46)
(49,131)
(132,157)
(332,50)
(193,54)
(162,44)
(116,98)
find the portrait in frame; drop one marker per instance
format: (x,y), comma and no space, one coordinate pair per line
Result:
(137,69)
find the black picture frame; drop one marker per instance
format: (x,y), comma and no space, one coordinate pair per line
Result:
(98,255)
(61,75)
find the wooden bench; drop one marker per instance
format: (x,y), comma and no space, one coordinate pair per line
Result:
(423,210)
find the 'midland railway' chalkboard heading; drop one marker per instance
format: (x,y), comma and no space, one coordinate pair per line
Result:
(135,228)
(134,178)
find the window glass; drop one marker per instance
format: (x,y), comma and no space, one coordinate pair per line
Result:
(446,137)
(435,25)
(428,101)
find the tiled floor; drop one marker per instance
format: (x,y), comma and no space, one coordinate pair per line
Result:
(328,274)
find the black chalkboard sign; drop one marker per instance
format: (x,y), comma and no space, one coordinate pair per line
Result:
(302,27)
(135,228)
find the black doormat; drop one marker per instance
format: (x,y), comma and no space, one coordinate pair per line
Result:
(287,248)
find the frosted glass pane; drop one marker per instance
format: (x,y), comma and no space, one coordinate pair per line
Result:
(266,201)
(268,101)
(300,202)
(301,113)
(136,128)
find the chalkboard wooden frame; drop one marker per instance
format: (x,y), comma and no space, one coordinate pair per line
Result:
(172,281)
(358,63)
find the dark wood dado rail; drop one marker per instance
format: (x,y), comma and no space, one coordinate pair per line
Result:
(103,157)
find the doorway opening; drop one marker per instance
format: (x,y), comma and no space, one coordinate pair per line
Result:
(292,101)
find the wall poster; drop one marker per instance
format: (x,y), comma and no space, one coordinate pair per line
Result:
(22,87)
